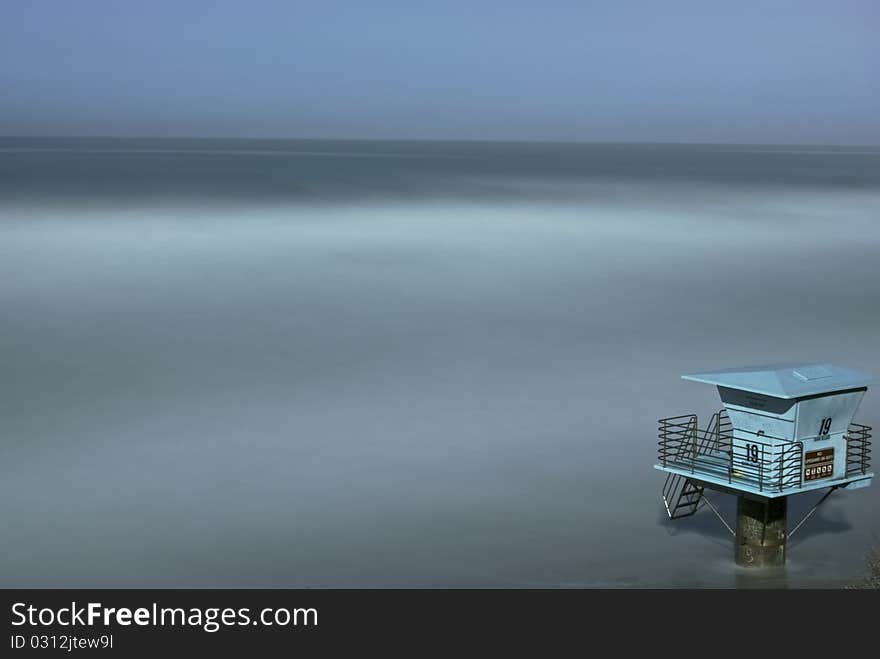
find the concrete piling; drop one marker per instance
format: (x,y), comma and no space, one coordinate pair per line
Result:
(761,531)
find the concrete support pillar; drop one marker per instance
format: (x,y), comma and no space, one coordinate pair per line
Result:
(761,531)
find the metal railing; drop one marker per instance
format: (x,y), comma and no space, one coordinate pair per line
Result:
(762,465)
(681,437)
(858,449)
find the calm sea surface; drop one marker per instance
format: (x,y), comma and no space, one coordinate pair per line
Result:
(320,363)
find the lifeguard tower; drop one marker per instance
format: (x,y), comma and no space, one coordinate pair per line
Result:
(783,430)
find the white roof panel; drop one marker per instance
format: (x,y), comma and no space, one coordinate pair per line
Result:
(786,380)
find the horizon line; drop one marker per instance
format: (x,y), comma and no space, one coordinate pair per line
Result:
(241,138)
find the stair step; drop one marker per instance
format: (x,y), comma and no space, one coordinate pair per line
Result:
(682,497)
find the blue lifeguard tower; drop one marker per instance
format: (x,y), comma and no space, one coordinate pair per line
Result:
(783,430)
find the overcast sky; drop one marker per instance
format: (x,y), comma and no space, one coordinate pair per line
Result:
(800,71)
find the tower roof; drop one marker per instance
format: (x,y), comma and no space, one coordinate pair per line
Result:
(786,380)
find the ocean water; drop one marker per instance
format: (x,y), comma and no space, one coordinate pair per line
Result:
(396,364)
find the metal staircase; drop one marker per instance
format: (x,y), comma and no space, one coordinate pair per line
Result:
(682,495)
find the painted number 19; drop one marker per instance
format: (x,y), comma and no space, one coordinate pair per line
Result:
(752,452)
(825,426)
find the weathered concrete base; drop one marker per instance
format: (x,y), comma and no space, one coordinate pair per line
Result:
(761,531)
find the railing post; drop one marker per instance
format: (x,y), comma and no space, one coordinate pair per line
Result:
(761,471)
(849,448)
(730,463)
(663,442)
(781,466)
(800,463)
(717,430)
(866,449)
(864,455)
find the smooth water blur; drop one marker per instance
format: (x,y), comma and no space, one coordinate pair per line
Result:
(406,364)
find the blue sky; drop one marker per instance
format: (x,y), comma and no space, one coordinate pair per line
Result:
(678,70)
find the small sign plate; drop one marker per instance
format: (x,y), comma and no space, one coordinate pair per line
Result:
(818,464)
